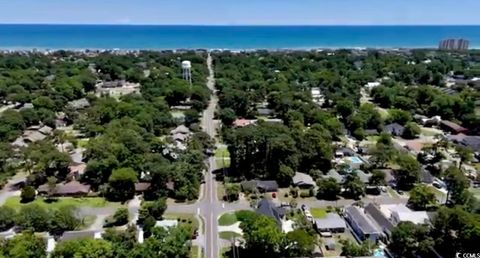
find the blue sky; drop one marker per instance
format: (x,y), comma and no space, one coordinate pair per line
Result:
(241,12)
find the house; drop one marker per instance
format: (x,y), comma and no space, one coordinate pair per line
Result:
(452,127)
(268,208)
(117,88)
(77,155)
(364,177)
(394,129)
(141,187)
(420,119)
(45,130)
(78,104)
(263,186)
(425,176)
(332,173)
(180,137)
(371,85)
(472,142)
(373,210)
(370,132)
(180,134)
(30,136)
(387,216)
(345,151)
(19,143)
(181,129)
(400,213)
(73,188)
(166,223)
(303,180)
(264,112)
(330,244)
(362,226)
(267,186)
(77,170)
(72,235)
(331,223)
(241,122)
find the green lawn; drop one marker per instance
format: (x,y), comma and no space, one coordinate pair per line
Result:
(94,202)
(475,192)
(318,212)
(227,219)
(428,132)
(186,218)
(441,196)
(383,112)
(392,193)
(87,222)
(219,163)
(83,142)
(224,252)
(194,252)
(228,235)
(222,153)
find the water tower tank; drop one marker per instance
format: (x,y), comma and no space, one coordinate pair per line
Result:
(186,64)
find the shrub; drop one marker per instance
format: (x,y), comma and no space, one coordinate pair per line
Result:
(7,218)
(28,194)
(121,216)
(304,195)
(244,215)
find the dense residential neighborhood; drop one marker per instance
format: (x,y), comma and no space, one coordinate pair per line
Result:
(355,153)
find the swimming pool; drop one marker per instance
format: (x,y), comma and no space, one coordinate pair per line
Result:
(378,253)
(355,160)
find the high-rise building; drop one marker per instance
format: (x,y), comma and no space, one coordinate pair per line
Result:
(462,44)
(454,44)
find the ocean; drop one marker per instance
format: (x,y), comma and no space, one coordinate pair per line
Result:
(229,37)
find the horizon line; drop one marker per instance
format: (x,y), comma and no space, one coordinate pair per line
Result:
(243,25)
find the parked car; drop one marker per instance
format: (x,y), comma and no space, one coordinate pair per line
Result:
(195,234)
(437,185)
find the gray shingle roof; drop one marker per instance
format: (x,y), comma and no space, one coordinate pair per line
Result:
(71,235)
(302,179)
(395,129)
(267,185)
(377,215)
(267,208)
(335,175)
(180,129)
(332,220)
(79,103)
(363,222)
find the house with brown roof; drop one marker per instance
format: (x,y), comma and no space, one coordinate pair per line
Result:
(241,122)
(77,170)
(141,187)
(73,188)
(452,127)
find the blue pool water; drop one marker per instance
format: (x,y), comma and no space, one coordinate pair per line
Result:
(355,160)
(228,37)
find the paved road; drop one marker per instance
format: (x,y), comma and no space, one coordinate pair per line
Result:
(7,191)
(209,201)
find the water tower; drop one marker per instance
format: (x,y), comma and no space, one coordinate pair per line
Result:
(187,71)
